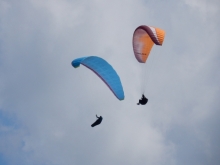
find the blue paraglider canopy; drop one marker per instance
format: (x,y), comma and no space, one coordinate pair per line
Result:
(105,71)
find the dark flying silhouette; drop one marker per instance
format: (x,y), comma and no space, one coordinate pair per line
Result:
(97,122)
(143,100)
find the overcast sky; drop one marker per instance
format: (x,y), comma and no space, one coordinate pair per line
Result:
(47,106)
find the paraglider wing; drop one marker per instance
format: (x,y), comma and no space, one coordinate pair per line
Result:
(105,71)
(144,38)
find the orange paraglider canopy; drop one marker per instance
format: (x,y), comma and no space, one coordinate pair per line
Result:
(144,38)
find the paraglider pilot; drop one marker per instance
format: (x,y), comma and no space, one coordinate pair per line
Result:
(143,100)
(97,122)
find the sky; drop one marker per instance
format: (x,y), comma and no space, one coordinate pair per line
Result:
(47,106)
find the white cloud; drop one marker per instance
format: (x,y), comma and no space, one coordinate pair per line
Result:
(204,6)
